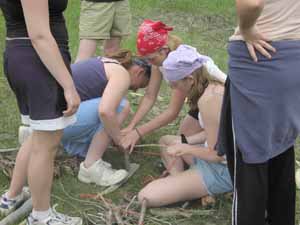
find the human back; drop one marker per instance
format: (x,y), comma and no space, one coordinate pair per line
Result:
(15,21)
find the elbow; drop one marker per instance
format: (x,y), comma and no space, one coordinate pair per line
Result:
(106,113)
(172,115)
(257,4)
(150,97)
(251,4)
(38,37)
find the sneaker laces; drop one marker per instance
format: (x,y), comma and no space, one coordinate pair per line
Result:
(7,203)
(105,168)
(106,164)
(58,217)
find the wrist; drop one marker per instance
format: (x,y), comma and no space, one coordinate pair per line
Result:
(68,86)
(138,132)
(131,126)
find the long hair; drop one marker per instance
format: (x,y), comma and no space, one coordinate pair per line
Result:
(127,60)
(173,42)
(123,56)
(201,81)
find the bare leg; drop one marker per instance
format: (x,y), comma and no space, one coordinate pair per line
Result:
(19,177)
(97,148)
(187,185)
(112,45)
(101,140)
(87,49)
(189,126)
(40,168)
(174,167)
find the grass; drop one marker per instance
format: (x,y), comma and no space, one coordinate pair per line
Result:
(205,24)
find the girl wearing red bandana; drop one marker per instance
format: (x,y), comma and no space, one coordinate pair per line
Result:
(155,43)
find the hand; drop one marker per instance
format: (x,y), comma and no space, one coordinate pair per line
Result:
(178,150)
(73,101)
(126,130)
(256,41)
(170,140)
(129,140)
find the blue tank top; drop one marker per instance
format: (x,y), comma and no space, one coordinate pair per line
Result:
(89,78)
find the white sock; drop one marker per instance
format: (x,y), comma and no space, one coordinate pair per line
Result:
(41,215)
(16,198)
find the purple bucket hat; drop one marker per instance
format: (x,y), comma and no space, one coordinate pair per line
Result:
(182,62)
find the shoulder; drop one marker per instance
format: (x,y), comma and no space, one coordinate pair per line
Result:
(212,98)
(113,69)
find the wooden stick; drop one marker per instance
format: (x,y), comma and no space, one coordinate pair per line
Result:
(145,146)
(5,150)
(129,204)
(127,161)
(117,215)
(20,213)
(143,211)
(109,217)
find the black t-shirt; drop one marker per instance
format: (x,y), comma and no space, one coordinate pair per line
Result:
(15,22)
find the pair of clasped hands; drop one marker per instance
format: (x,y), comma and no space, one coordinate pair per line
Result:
(130,138)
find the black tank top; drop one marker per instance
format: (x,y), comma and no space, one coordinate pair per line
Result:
(15,22)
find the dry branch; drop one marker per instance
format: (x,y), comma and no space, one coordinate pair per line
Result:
(17,215)
(143,211)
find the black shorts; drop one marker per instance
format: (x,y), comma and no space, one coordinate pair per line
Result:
(194,113)
(39,96)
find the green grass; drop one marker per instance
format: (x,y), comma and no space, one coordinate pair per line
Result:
(205,24)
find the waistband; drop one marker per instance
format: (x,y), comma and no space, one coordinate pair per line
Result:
(26,42)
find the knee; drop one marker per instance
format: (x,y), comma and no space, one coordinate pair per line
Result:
(142,195)
(47,140)
(145,194)
(165,140)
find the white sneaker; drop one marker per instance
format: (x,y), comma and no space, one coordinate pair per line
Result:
(55,218)
(24,133)
(7,205)
(101,174)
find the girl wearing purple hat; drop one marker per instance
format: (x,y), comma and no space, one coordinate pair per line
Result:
(155,43)
(208,175)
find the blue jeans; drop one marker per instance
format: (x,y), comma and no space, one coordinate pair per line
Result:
(77,137)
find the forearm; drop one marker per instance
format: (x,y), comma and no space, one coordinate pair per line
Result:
(248,11)
(159,121)
(111,126)
(144,107)
(47,49)
(198,138)
(204,153)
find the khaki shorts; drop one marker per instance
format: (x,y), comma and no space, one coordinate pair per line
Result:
(103,20)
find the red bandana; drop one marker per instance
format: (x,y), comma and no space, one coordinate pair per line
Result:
(152,35)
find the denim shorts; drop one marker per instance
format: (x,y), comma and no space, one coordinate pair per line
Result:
(215,176)
(77,137)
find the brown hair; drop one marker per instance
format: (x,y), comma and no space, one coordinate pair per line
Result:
(123,56)
(201,80)
(173,42)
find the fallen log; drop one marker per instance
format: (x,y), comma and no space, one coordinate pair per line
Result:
(19,214)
